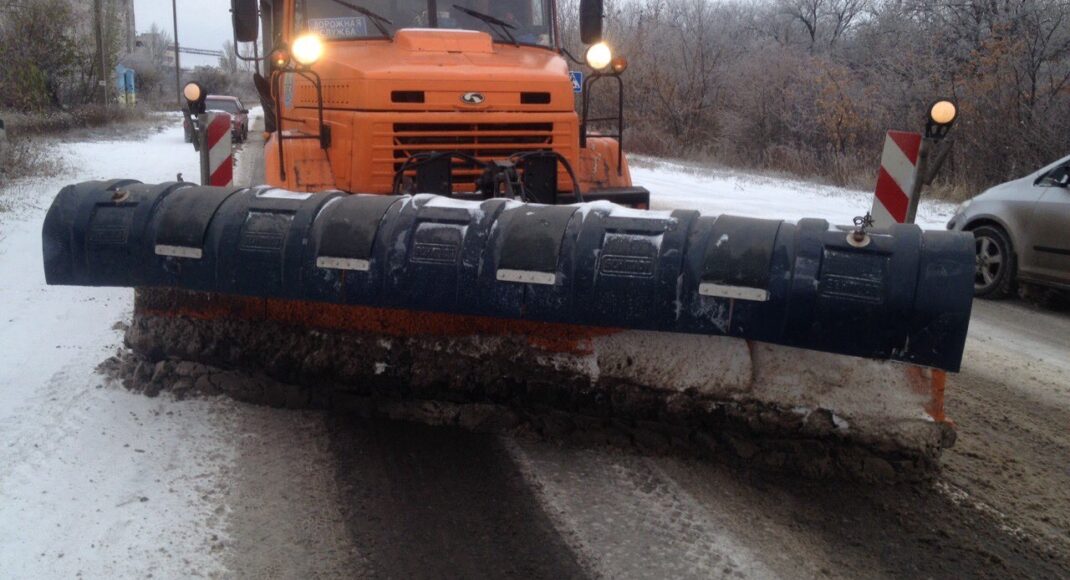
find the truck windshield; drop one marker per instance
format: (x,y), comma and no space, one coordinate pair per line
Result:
(528,20)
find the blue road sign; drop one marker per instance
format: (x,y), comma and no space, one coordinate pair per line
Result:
(577,81)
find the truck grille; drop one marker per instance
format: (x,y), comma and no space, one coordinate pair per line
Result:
(485,141)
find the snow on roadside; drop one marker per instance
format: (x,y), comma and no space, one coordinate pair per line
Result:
(715,191)
(95,481)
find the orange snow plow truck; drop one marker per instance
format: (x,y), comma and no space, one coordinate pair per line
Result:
(441,236)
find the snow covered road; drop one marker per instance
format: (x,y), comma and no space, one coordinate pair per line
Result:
(95,481)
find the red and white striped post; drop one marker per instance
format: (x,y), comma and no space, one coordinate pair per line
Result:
(217,159)
(898,183)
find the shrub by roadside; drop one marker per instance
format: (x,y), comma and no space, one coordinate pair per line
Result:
(25,154)
(59,121)
(22,157)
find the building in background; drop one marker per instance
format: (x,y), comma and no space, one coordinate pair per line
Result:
(154,46)
(111,26)
(118,27)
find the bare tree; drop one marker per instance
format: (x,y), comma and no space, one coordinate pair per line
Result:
(810,86)
(229,61)
(806,13)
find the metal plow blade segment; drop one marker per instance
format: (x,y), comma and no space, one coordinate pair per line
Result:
(659,286)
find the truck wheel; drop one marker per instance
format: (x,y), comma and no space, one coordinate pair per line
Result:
(996,264)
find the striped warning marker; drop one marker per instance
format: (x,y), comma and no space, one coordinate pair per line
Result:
(895,182)
(220,157)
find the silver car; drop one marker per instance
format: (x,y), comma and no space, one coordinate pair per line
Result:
(1022,229)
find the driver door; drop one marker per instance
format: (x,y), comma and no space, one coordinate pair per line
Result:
(1047,252)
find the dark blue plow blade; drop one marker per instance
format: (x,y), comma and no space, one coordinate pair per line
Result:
(905,294)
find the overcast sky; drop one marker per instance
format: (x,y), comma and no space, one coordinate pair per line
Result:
(201,24)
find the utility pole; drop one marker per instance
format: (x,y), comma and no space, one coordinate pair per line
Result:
(99,5)
(178,67)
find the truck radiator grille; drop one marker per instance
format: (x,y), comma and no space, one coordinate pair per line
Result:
(485,141)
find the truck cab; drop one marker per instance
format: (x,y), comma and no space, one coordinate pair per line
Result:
(466,98)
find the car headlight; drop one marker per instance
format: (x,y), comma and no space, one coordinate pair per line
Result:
(962,206)
(307,49)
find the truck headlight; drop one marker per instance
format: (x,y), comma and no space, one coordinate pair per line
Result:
(195,95)
(192,92)
(599,56)
(307,49)
(943,112)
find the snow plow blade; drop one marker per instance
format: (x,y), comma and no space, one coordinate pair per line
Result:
(660,300)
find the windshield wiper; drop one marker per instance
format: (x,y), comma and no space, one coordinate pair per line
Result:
(377,20)
(491,22)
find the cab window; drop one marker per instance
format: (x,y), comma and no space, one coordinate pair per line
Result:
(333,20)
(529,21)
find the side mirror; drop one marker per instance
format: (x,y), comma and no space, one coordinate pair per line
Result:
(591,16)
(246,18)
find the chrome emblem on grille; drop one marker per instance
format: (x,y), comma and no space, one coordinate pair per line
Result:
(473,98)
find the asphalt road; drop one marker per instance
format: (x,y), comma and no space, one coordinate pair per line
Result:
(422,502)
(322,495)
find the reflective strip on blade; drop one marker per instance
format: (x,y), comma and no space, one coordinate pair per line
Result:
(527,277)
(329,263)
(737,292)
(179,252)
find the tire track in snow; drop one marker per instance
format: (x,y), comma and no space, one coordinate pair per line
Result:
(625,518)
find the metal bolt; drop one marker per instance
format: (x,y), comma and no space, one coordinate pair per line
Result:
(858,237)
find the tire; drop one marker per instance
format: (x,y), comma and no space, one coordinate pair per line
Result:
(997,266)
